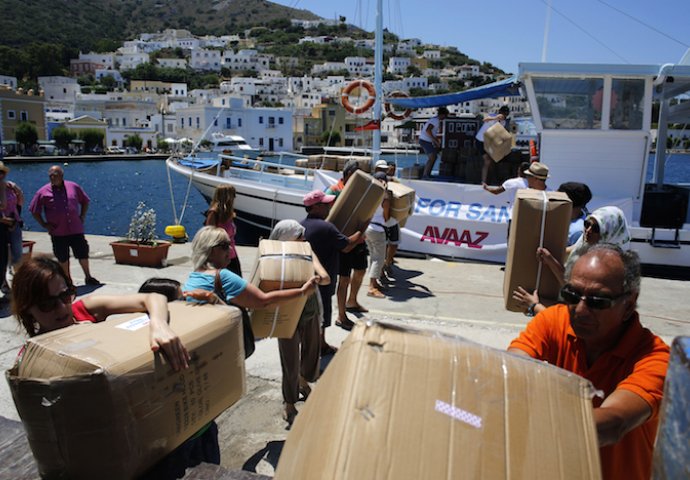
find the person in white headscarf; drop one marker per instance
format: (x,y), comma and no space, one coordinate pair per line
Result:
(300,355)
(603,225)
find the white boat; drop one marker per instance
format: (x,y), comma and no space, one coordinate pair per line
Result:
(594,126)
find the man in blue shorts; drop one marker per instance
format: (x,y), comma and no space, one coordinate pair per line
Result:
(430,140)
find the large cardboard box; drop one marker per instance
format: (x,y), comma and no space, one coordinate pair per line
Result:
(402,200)
(401,404)
(278,266)
(522,267)
(97,403)
(497,142)
(357,203)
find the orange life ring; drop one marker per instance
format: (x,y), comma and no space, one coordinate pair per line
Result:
(389,109)
(345,97)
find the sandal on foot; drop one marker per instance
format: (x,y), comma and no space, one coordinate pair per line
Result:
(346,324)
(357,309)
(375,294)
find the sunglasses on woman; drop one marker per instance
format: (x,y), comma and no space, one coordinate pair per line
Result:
(50,303)
(593,225)
(573,297)
(223,245)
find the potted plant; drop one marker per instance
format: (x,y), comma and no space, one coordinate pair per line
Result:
(141,246)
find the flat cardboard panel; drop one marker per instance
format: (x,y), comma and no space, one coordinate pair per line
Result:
(672,449)
(404,404)
(280,265)
(97,403)
(357,203)
(402,200)
(497,142)
(522,266)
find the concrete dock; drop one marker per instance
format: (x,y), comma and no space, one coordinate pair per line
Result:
(461,298)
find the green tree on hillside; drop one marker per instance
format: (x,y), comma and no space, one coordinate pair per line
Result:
(135,141)
(93,137)
(26,135)
(63,136)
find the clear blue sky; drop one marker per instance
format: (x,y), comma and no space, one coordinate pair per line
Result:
(506,33)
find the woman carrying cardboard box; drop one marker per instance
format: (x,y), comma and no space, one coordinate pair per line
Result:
(43,301)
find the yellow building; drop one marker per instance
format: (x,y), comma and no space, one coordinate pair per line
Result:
(17,107)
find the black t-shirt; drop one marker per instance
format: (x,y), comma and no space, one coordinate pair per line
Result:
(326,241)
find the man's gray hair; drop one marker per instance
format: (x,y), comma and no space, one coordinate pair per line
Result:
(351,166)
(204,241)
(631,265)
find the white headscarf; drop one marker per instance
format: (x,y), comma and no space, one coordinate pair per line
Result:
(613,228)
(287,230)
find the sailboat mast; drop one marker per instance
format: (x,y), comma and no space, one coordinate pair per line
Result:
(378,79)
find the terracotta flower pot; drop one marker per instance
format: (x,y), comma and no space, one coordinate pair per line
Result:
(130,253)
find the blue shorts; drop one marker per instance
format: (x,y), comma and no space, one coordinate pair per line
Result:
(428,147)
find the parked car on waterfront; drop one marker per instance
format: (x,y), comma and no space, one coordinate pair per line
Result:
(113,150)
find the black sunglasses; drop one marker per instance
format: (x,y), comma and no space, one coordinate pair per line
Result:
(223,245)
(593,225)
(572,297)
(50,303)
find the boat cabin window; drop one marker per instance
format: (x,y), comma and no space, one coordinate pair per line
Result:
(569,103)
(627,104)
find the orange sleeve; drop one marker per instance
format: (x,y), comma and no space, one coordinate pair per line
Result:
(536,338)
(647,377)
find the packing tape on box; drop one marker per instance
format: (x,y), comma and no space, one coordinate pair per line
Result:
(540,264)
(361,199)
(282,282)
(295,256)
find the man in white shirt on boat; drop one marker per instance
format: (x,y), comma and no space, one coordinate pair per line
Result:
(489,121)
(512,185)
(430,140)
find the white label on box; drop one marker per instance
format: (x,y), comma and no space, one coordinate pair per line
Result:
(135,323)
(133,252)
(458,414)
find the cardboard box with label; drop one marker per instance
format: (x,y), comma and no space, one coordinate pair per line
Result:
(278,266)
(522,268)
(357,203)
(401,404)
(498,142)
(402,201)
(96,402)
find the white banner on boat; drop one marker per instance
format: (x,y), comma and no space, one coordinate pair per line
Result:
(459,221)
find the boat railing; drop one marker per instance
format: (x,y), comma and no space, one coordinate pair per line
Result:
(267,172)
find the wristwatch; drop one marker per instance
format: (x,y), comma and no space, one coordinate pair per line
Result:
(530,310)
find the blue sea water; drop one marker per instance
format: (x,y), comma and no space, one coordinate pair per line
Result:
(116,187)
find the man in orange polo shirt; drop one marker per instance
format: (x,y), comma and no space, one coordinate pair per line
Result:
(597,334)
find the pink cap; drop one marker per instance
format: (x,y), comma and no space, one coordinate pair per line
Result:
(317,196)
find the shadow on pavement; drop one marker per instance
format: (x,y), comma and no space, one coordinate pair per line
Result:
(400,288)
(270,453)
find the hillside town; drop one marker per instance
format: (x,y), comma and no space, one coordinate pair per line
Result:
(272,110)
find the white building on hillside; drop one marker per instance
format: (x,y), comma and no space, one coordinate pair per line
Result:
(398,65)
(172,62)
(59,89)
(246,59)
(359,67)
(326,67)
(107,60)
(264,128)
(129,61)
(205,59)
(466,71)
(432,54)
(8,81)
